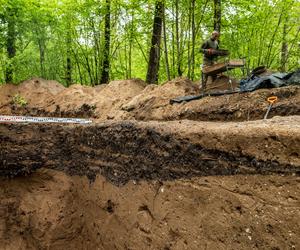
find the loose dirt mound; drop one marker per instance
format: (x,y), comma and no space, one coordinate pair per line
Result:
(36,91)
(103,100)
(33,93)
(154,99)
(50,98)
(75,101)
(110,99)
(7,91)
(132,99)
(50,210)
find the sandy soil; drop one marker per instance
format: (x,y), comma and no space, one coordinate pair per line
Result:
(147,174)
(132,99)
(50,210)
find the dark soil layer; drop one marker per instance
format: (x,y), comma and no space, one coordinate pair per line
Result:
(123,151)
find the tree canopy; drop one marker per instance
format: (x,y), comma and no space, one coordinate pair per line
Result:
(92,41)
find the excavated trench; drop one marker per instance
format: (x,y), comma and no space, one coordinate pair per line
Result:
(123,151)
(164,183)
(151,185)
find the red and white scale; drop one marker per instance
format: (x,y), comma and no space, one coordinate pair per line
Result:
(32,119)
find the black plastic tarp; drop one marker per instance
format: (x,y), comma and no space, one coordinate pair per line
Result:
(294,78)
(252,83)
(275,80)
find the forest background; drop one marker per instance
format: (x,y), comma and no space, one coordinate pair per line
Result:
(94,41)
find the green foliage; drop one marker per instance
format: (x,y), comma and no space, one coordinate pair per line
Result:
(49,32)
(19,100)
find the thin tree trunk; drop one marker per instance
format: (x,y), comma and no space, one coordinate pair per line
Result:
(179,70)
(270,46)
(191,45)
(154,55)
(130,59)
(130,45)
(189,38)
(294,43)
(173,45)
(262,37)
(125,59)
(89,69)
(217,15)
(193,39)
(87,64)
(106,59)
(141,49)
(96,52)
(69,60)
(166,48)
(10,45)
(78,67)
(42,48)
(284,49)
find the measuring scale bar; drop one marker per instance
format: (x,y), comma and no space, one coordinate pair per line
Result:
(31,119)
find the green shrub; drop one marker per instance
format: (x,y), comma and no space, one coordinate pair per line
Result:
(19,100)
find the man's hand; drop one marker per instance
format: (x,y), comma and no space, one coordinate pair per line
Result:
(210,51)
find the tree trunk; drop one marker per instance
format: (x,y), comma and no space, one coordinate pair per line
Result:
(42,48)
(217,15)
(10,45)
(69,61)
(130,44)
(154,55)
(271,43)
(97,51)
(284,49)
(166,48)
(193,39)
(179,70)
(173,45)
(77,62)
(106,51)
(189,39)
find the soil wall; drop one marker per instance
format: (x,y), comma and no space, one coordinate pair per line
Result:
(127,150)
(51,210)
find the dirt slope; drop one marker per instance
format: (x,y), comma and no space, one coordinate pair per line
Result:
(50,210)
(132,99)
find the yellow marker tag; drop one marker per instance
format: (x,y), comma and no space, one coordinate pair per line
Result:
(272,99)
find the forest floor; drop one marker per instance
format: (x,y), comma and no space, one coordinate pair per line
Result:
(146,174)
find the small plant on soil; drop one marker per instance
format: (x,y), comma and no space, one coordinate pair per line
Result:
(19,100)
